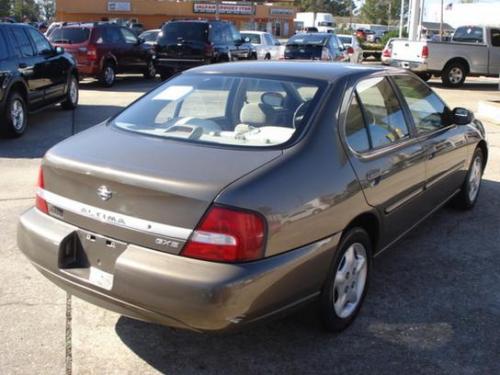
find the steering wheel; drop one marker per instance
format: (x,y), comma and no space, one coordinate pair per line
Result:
(299,113)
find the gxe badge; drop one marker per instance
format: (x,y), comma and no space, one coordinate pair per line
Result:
(104,193)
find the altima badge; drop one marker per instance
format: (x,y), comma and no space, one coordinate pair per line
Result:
(104,193)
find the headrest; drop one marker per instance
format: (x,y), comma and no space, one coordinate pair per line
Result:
(256,114)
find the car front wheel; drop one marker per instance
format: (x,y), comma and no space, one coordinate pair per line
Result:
(347,282)
(15,116)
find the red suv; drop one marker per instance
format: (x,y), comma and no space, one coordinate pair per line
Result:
(104,49)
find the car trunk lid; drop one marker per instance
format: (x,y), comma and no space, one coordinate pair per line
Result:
(140,189)
(74,40)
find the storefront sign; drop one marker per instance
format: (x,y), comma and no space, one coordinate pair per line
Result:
(281,12)
(118,6)
(223,8)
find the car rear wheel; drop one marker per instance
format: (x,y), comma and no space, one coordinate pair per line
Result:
(15,116)
(150,71)
(425,76)
(72,95)
(453,75)
(347,282)
(108,75)
(166,74)
(467,197)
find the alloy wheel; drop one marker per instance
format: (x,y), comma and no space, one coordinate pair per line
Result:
(73,91)
(109,75)
(455,75)
(17,114)
(350,280)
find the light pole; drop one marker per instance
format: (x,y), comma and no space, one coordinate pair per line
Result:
(401,17)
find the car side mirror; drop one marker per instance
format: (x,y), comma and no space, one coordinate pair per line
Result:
(462,116)
(140,41)
(59,50)
(246,40)
(277,43)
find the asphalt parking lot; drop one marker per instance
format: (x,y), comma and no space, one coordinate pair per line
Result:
(433,305)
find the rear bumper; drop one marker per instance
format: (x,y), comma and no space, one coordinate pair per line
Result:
(178,64)
(182,292)
(410,65)
(92,69)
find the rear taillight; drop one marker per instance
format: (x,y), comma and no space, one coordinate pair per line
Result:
(227,235)
(325,54)
(92,53)
(386,52)
(208,49)
(350,50)
(41,204)
(425,52)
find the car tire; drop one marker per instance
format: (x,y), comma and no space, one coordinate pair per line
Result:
(467,197)
(108,75)
(267,57)
(72,95)
(425,76)
(453,75)
(347,281)
(253,56)
(15,116)
(150,71)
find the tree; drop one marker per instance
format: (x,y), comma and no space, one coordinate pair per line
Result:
(25,9)
(5,8)
(47,9)
(381,12)
(336,7)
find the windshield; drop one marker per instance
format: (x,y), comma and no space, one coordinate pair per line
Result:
(253,38)
(229,110)
(315,39)
(70,35)
(184,31)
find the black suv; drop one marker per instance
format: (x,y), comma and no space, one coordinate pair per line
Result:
(33,74)
(185,44)
(104,49)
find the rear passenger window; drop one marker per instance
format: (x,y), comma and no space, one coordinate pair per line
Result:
(495,37)
(428,111)
(383,114)
(356,132)
(22,41)
(129,37)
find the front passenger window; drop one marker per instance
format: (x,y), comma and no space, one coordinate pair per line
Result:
(128,36)
(383,114)
(42,45)
(428,111)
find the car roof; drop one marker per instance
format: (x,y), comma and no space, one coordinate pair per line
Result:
(254,32)
(321,34)
(315,70)
(345,35)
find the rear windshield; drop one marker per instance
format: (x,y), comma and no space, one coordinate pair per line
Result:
(70,35)
(176,31)
(228,110)
(470,34)
(254,38)
(314,39)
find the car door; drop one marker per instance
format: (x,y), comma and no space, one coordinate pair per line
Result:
(443,141)
(494,52)
(133,58)
(388,161)
(54,67)
(29,66)
(113,44)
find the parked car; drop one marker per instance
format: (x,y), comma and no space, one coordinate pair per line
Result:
(473,51)
(314,46)
(136,28)
(387,52)
(354,49)
(185,44)
(33,75)
(103,50)
(183,239)
(375,36)
(267,47)
(150,36)
(361,34)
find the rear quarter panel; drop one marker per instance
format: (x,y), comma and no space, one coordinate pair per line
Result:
(440,54)
(309,193)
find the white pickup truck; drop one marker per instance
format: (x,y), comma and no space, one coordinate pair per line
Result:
(472,51)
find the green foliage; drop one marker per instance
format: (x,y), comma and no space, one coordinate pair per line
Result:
(4,8)
(392,34)
(47,9)
(20,9)
(382,12)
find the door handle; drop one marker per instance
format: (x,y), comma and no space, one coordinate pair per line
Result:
(374,177)
(23,65)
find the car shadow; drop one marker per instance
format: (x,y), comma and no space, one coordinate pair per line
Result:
(125,83)
(472,86)
(51,126)
(433,307)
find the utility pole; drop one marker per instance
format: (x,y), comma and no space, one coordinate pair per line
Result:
(401,18)
(441,24)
